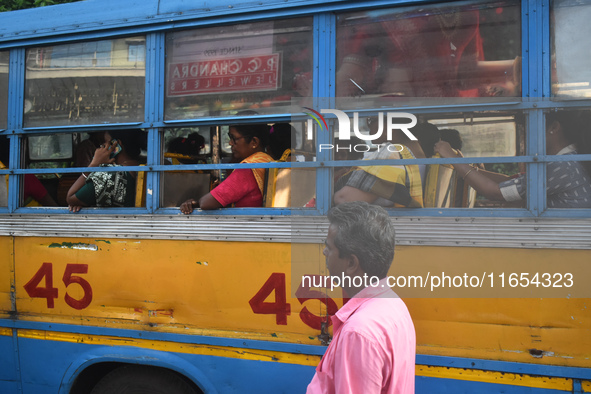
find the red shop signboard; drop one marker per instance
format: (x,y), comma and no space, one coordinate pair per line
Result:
(225,75)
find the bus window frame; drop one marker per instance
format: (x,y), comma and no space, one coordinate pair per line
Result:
(536,86)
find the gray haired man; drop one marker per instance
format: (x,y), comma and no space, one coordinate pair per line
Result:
(373,345)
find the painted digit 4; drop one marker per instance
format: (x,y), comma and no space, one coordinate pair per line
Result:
(50,293)
(280,308)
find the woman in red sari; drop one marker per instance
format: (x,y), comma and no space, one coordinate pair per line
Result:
(244,187)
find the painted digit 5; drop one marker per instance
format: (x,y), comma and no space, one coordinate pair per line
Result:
(68,279)
(304,294)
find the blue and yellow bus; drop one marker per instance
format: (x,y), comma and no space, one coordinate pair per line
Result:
(144,297)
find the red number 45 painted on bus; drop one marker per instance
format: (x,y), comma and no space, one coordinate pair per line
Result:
(50,293)
(281,308)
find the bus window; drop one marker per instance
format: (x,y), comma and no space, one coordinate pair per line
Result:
(45,151)
(85,83)
(291,187)
(211,145)
(222,70)
(4,156)
(58,151)
(3,88)
(436,51)
(568,183)
(570,45)
(50,147)
(430,185)
(187,146)
(482,136)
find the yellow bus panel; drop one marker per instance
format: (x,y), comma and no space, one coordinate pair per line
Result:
(253,290)
(6,275)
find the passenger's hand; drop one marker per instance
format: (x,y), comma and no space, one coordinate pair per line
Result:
(102,155)
(74,208)
(187,206)
(445,150)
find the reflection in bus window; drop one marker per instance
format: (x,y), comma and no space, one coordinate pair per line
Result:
(571,45)
(3,88)
(440,51)
(110,189)
(85,83)
(226,69)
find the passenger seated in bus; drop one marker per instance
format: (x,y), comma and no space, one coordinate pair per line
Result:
(345,150)
(189,146)
(428,135)
(399,186)
(109,189)
(452,136)
(455,140)
(280,139)
(85,149)
(244,187)
(34,193)
(568,182)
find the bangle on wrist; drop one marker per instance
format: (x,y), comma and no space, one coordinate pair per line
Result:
(469,171)
(85,176)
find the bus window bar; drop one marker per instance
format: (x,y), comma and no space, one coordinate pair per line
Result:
(311,164)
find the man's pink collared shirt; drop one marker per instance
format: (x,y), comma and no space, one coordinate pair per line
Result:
(373,347)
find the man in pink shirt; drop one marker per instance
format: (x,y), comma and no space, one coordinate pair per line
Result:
(373,344)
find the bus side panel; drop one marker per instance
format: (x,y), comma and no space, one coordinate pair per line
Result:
(6,275)
(8,375)
(546,331)
(209,288)
(45,367)
(234,289)
(8,370)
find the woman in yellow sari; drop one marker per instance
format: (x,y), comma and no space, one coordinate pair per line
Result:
(244,187)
